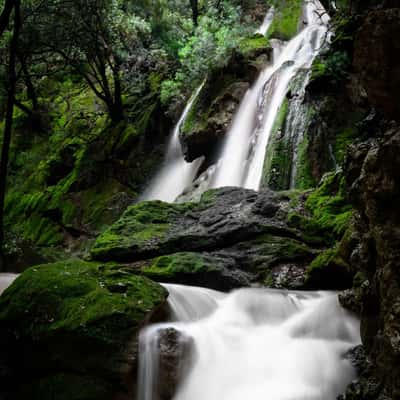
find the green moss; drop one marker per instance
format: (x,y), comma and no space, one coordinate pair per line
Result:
(256,42)
(272,249)
(327,264)
(88,298)
(286,20)
(277,165)
(304,178)
(170,266)
(139,224)
(329,206)
(76,323)
(342,141)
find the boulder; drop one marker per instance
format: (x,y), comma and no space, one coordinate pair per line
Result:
(176,351)
(231,238)
(69,331)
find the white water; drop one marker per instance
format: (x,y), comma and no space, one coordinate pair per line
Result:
(243,154)
(6,279)
(263,29)
(175,174)
(256,344)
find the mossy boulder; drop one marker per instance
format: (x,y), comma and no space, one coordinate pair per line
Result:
(200,269)
(69,330)
(221,218)
(140,232)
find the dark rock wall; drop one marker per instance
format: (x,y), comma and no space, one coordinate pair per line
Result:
(372,171)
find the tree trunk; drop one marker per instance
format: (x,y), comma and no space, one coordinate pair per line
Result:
(195,11)
(8,124)
(5,15)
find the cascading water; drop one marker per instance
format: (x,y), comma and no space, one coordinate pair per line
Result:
(243,155)
(255,344)
(175,174)
(263,29)
(6,279)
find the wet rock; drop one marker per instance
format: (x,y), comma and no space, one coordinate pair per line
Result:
(232,238)
(176,350)
(351,299)
(377,59)
(375,192)
(211,114)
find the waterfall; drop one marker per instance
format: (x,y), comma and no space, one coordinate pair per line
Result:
(243,155)
(263,29)
(175,174)
(254,344)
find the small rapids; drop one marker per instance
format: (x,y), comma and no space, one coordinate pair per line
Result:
(254,344)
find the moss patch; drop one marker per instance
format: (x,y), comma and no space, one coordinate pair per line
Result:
(166,268)
(248,45)
(286,19)
(139,224)
(277,165)
(329,205)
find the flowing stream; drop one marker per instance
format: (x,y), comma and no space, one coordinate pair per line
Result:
(254,344)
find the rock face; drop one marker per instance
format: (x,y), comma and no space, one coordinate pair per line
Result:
(377,59)
(232,238)
(70,328)
(374,183)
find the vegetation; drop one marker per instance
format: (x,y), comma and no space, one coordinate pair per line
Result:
(287,18)
(85,82)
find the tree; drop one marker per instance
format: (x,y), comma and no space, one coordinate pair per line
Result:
(12,81)
(93,38)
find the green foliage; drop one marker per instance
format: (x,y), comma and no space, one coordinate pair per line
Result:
(218,34)
(286,20)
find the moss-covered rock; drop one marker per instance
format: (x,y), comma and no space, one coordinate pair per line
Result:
(172,267)
(75,322)
(329,271)
(141,231)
